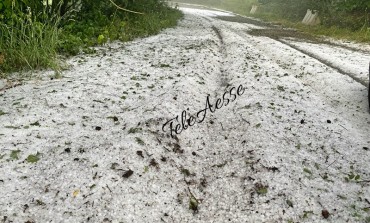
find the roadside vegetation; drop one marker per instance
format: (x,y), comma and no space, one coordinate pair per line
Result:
(340,19)
(35,34)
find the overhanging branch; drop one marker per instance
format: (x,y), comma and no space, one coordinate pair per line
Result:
(126,10)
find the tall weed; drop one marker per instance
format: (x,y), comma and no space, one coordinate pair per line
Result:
(27,44)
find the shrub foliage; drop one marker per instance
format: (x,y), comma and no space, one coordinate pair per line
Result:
(33,32)
(352,14)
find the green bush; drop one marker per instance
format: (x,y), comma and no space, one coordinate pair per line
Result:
(99,21)
(351,14)
(33,32)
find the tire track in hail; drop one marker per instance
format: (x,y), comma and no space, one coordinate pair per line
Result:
(312,40)
(323,61)
(223,54)
(313,56)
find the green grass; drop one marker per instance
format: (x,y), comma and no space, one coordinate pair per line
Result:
(150,24)
(28,44)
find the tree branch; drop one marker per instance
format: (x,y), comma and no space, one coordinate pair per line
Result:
(126,10)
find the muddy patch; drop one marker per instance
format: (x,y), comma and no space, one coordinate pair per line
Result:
(283,33)
(241,19)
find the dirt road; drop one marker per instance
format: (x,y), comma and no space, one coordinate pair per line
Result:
(266,128)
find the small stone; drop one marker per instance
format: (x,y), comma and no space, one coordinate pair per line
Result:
(128,173)
(325,213)
(328,121)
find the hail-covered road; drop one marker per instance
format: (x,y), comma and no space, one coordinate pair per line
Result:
(266,127)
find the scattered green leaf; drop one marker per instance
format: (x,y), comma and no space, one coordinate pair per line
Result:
(280,88)
(39,202)
(307,171)
(306,213)
(134,130)
(32,158)
(186,172)
(193,203)
(140,141)
(351,176)
(164,65)
(11,127)
(262,191)
(35,123)
(14,154)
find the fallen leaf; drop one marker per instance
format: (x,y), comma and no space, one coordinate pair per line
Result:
(193,203)
(289,203)
(325,213)
(140,141)
(35,123)
(140,153)
(307,171)
(128,173)
(14,154)
(32,158)
(76,192)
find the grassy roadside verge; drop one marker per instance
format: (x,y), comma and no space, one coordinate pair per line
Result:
(26,43)
(362,35)
(333,31)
